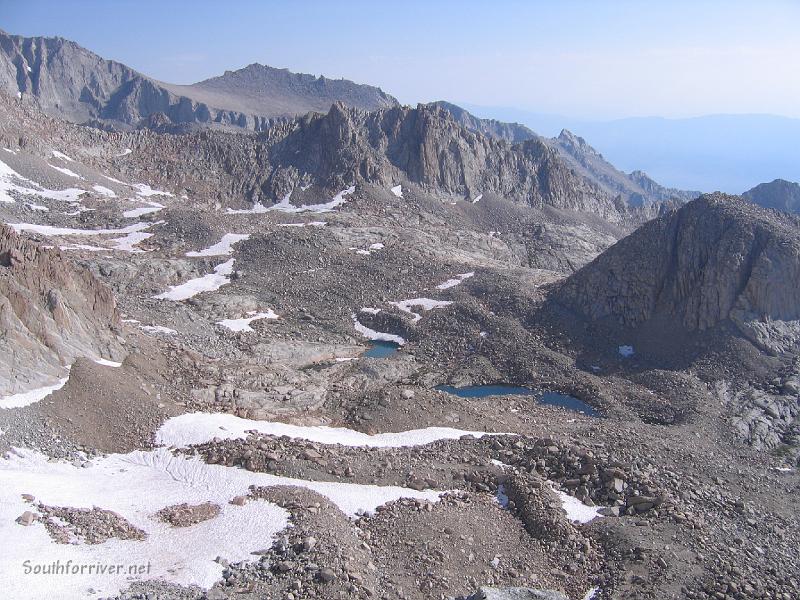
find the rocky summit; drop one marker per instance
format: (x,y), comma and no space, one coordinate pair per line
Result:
(278,336)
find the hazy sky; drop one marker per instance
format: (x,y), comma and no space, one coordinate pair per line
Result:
(592,58)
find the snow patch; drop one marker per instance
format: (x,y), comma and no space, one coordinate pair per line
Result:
(107,363)
(124,152)
(223,247)
(206,283)
(62,156)
(397,191)
(65,171)
(477,198)
(199,428)
(145,191)
(243,324)
(156,329)
(306,224)
(31,396)
(577,511)
(376,336)
(104,191)
(423,303)
(455,281)
(286,206)
(11,181)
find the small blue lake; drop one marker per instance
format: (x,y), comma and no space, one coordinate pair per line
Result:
(551,398)
(381,349)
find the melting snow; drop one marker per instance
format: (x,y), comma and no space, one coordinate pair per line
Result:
(223,247)
(31,396)
(286,206)
(397,191)
(134,235)
(199,428)
(145,191)
(371,311)
(65,171)
(423,303)
(107,363)
(206,283)
(626,351)
(307,224)
(136,486)
(243,324)
(455,281)
(156,329)
(11,181)
(577,511)
(477,198)
(104,191)
(62,156)
(376,336)
(124,152)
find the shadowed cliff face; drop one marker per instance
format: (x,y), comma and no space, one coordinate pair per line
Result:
(718,258)
(51,313)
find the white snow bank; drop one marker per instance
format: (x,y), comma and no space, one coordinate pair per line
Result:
(134,234)
(124,152)
(104,191)
(62,156)
(152,207)
(577,511)
(477,198)
(455,281)
(65,171)
(286,206)
(626,351)
(157,329)
(243,324)
(376,336)
(145,191)
(306,224)
(136,486)
(423,303)
(370,311)
(31,396)
(206,283)
(199,428)
(107,363)
(223,247)
(10,181)
(397,191)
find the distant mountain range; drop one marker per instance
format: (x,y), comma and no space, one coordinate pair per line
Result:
(730,153)
(71,82)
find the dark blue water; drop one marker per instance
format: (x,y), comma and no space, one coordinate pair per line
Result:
(551,398)
(382,349)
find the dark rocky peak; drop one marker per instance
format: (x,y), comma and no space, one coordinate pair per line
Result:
(718,258)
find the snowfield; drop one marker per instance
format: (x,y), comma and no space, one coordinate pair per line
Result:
(206,283)
(376,336)
(199,428)
(243,324)
(136,486)
(223,247)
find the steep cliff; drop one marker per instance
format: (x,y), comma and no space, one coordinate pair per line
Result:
(51,313)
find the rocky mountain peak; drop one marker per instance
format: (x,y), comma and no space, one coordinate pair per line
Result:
(718,258)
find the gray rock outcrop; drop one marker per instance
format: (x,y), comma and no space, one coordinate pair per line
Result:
(51,313)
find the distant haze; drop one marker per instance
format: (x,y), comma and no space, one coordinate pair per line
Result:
(591,61)
(728,153)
